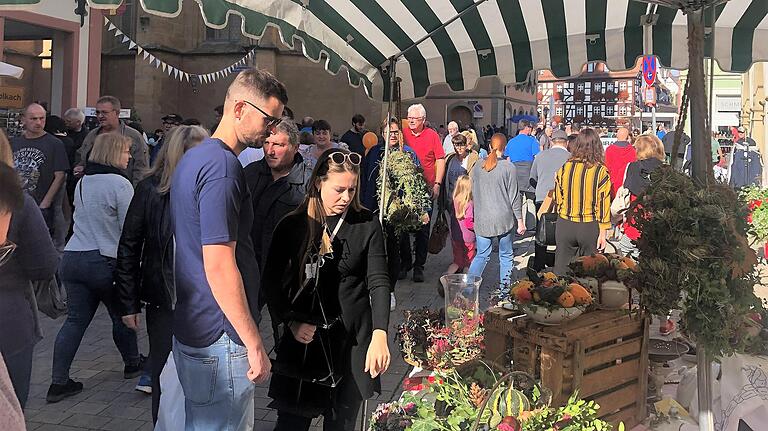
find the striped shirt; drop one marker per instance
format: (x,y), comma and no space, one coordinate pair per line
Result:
(583,193)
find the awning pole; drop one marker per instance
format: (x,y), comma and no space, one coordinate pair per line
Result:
(383,168)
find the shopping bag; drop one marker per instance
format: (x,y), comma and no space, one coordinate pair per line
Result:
(50,297)
(171,415)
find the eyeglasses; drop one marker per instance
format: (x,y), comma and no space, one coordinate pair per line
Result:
(460,145)
(415,118)
(104,113)
(271,121)
(6,250)
(339,158)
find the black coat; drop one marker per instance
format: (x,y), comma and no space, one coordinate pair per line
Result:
(353,284)
(144,269)
(273,200)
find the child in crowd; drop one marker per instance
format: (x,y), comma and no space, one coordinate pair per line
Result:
(462,226)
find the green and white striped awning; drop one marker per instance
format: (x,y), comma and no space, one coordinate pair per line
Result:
(504,38)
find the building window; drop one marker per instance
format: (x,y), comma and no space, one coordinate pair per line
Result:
(580,86)
(580,110)
(230,33)
(591,67)
(610,110)
(559,110)
(609,87)
(598,87)
(623,85)
(622,110)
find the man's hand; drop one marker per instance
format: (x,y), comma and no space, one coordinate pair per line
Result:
(131,321)
(377,358)
(304,333)
(259,363)
(78,171)
(435,191)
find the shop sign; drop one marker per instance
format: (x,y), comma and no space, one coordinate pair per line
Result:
(91,112)
(729,103)
(12,97)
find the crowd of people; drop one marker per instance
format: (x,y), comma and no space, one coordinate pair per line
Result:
(200,231)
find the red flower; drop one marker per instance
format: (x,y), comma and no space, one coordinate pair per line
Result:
(749,218)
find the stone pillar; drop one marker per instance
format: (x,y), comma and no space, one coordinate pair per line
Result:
(57,71)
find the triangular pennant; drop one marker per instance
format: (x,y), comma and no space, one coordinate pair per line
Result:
(125,38)
(157,63)
(140,50)
(146,54)
(106,20)
(164,66)
(111,27)
(151,58)
(170,70)
(132,45)
(118,32)
(176,73)
(186,76)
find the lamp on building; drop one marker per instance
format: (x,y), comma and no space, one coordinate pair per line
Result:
(81,10)
(144,23)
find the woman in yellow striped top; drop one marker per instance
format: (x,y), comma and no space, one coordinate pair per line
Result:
(583,197)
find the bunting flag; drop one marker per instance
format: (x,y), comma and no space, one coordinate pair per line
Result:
(173,71)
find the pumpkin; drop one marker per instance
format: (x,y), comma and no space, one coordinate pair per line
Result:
(521,284)
(550,276)
(509,402)
(580,294)
(591,284)
(566,300)
(631,264)
(523,295)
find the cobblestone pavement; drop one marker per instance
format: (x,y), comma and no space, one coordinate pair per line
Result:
(108,402)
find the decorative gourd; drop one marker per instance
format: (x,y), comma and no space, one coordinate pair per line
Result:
(521,284)
(550,276)
(509,402)
(566,300)
(580,294)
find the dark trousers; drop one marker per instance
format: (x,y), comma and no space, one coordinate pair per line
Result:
(348,402)
(573,239)
(420,241)
(88,279)
(19,367)
(392,244)
(160,332)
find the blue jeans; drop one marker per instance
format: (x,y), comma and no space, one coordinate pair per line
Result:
(218,394)
(506,257)
(88,280)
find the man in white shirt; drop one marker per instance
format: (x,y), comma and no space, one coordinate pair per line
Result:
(453,128)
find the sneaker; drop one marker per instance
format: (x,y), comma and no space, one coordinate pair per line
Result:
(145,384)
(418,275)
(392,302)
(57,393)
(133,371)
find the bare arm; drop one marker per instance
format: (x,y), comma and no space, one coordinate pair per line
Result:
(58,180)
(439,170)
(227,288)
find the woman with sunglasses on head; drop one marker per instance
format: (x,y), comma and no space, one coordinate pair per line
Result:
(326,282)
(144,272)
(26,254)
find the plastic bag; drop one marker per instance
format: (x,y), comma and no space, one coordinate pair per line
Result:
(171,415)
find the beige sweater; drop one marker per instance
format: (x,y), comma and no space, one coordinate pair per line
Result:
(11,416)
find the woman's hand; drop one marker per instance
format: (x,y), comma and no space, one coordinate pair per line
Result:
(601,240)
(131,321)
(303,332)
(377,358)
(521,227)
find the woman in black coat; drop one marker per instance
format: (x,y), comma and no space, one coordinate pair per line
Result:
(144,271)
(326,282)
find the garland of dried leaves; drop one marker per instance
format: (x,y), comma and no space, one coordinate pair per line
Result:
(406,197)
(694,252)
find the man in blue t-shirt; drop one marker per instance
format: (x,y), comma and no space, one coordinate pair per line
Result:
(217,347)
(523,147)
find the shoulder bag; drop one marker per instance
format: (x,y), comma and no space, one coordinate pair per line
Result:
(439,235)
(621,202)
(545,228)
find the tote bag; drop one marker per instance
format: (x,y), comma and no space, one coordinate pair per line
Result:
(621,202)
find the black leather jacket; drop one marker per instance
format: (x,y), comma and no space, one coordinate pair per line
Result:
(144,271)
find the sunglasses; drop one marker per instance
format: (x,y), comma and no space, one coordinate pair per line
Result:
(6,250)
(271,121)
(339,158)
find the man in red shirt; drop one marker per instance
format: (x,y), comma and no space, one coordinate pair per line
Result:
(617,156)
(426,143)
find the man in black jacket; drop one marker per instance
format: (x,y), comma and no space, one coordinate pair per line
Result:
(277,184)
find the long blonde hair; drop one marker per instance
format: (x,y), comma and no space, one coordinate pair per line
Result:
(462,194)
(6,152)
(177,142)
(108,149)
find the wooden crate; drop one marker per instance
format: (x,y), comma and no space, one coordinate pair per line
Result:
(602,354)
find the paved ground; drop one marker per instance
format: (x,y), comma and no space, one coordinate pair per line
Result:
(110,403)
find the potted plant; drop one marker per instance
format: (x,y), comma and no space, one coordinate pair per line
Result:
(757,204)
(549,299)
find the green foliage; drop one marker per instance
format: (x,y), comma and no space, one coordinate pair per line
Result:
(757,203)
(576,415)
(406,198)
(694,252)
